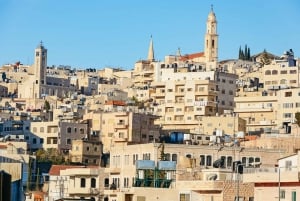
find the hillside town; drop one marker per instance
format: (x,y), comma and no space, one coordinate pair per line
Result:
(188,128)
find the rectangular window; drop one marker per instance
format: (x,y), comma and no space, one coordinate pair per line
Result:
(294,196)
(288,94)
(184,197)
(282,194)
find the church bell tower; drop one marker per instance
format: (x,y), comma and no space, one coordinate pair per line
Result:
(211,38)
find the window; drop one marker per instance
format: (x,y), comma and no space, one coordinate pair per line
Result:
(34,141)
(87,148)
(294,196)
(81,131)
(135,158)
(268,72)
(106,182)
(274,72)
(293,71)
(202,160)
(41,141)
(287,105)
(283,72)
(34,129)
(93,183)
(174,157)
(69,130)
(208,160)
(167,157)
(283,81)
(82,182)
(282,194)
(184,197)
(126,182)
(41,129)
(68,141)
(288,94)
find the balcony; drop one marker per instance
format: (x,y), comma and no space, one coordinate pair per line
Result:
(82,191)
(254,109)
(121,126)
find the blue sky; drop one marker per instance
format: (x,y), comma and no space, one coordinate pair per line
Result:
(116,33)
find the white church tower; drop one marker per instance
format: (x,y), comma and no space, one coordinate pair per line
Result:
(40,69)
(211,38)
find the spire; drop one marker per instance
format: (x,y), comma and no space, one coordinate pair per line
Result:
(178,53)
(211,15)
(151,51)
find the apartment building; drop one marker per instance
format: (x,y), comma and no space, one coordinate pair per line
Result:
(277,183)
(75,182)
(123,126)
(186,171)
(86,152)
(69,131)
(44,135)
(184,94)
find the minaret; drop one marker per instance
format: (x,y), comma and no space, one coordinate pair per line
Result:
(40,68)
(211,38)
(151,51)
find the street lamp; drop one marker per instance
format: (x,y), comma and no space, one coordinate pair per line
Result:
(238,171)
(279,177)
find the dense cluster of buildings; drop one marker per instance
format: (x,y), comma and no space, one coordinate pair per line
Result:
(188,128)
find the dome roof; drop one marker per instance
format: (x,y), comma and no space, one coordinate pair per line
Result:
(212,16)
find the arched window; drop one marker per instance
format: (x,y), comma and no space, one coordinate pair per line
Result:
(82,182)
(93,183)
(41,129)
(202,160)
(188,156)
(208,160)
(81,131)
(283,81)
(69,130)
(274,72)
(229,161)
(268,72)
(106,182)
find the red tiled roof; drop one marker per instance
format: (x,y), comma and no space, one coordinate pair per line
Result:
(115,102)
(191,56)
(3,146)
(55,169)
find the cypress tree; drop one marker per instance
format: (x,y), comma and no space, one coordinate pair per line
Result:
(245,53)
(240,53)
(249,55)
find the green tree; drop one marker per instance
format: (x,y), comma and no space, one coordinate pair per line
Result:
(248,54)
(3,76)
(240,53)
(245,53)
(297,117)
(46,106)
